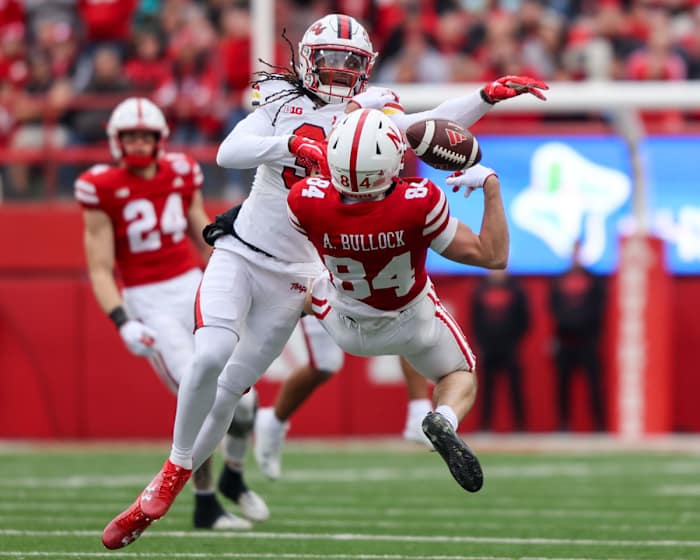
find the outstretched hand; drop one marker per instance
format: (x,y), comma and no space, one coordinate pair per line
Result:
(471,179)
(511,86)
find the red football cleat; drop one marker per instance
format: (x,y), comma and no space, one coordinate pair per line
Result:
(160,494)
(126,527)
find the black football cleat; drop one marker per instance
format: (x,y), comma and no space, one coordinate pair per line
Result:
(463,464)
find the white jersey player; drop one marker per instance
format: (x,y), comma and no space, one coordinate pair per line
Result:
(137,215)
(373,231)
(255,284)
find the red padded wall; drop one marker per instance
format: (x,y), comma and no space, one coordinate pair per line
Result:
(64,372)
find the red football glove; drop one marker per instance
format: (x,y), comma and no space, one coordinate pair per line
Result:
(510,86)
(310,153)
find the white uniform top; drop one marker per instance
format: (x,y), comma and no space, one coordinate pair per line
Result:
(257,142)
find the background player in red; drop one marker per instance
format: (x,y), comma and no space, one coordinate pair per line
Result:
(137,214)
(373,230)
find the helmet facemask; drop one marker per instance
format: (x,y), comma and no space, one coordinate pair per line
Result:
(140,160)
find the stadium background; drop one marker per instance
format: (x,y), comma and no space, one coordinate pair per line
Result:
(64,371)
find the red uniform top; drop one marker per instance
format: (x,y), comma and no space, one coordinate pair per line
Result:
(374,250)
(149,216)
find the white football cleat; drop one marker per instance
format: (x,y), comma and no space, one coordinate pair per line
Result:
(229,522)
(269,440)
(253,507)
(414,431)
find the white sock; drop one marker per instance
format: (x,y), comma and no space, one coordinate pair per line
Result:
(448,413)
(181,458)
(419,407)
(279,424)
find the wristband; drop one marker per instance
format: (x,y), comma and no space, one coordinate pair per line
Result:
(118,316)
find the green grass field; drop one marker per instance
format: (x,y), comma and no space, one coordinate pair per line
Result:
(367,501)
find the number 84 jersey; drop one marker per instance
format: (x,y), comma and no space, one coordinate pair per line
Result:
(374,250)
(149,216)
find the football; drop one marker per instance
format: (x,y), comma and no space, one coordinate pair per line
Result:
(443,144)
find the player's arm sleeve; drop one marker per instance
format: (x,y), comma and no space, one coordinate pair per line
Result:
(440,243)
(85,191)
(252,142)
(465,110)
(98,239)
(438,227)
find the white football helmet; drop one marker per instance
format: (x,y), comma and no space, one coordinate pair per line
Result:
(335,58)
(365,153)
(136,113)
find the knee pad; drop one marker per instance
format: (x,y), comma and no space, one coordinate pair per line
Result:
(244,417)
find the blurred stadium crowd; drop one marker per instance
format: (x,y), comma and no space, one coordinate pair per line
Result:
(65,63)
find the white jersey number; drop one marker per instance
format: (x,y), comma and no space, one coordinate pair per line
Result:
(314,188)
(143,232)
(350,277)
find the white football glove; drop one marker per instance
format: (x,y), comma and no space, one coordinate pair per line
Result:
(375,98)
(139,338)
(471,179)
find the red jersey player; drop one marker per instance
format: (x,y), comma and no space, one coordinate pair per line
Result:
(137,215)
(373,230)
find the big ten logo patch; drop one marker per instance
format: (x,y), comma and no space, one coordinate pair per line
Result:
(293,110)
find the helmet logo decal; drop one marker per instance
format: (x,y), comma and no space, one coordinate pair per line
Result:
(317,28)
(395,138)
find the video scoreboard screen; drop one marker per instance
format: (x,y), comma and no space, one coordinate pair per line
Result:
(560,189)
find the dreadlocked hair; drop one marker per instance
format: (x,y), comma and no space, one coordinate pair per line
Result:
(283,73)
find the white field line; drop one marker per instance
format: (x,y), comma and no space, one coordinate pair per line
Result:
(681,490)
(300,501)
(652,528)
(395,512)
(317,476)
(536,442)
(663,543)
